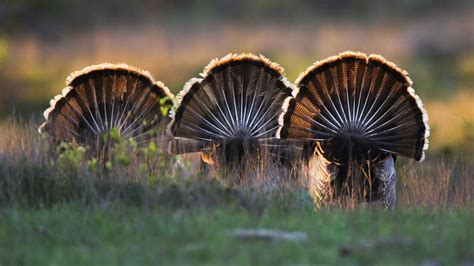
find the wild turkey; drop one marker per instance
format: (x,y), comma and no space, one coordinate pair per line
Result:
(230,114)
(357,113)
(103,97)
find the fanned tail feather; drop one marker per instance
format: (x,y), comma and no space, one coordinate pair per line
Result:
(235,104)
(357,106)
(103,97)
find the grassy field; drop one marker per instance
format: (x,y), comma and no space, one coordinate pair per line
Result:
(56,210)
(115,234)
(152,208)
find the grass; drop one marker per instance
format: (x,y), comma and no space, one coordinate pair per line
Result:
(117,234)
(55,209)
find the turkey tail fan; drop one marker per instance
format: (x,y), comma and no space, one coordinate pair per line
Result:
(235,104)
(357,107)
(103,97)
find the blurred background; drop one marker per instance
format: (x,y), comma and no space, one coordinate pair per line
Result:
(42,41)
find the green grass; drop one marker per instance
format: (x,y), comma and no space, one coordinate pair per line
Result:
(56,209)
(121,235)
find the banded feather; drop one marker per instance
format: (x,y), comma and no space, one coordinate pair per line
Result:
(103,97)
(232,109)
(358,107)
(356,114)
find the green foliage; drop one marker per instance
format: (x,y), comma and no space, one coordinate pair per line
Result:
(114,134)
(165,105)
(92,164)
(70,155)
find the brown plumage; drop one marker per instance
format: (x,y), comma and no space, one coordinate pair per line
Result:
(231,113)
(356,111)
(103,97)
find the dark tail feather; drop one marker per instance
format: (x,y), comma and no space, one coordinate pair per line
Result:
(357,105)
(238,99)
(103,97)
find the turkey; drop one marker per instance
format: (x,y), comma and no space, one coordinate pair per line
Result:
(105,97)
(356,114)
(230,114)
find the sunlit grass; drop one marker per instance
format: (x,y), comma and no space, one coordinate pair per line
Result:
(36,171)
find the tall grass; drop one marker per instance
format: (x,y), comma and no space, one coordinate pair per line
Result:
(439,182)
(35,172)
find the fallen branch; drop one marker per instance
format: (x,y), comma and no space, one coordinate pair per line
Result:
(268,234)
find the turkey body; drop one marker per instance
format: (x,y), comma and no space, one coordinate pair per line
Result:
(230,115)
(356,114)
(103,98)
